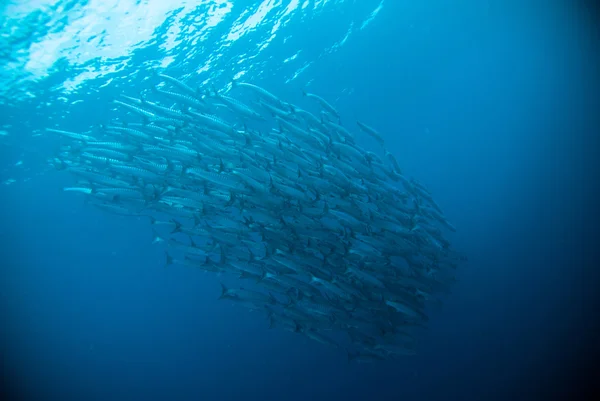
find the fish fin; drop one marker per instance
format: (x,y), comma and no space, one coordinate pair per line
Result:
(197,220)
(169,259)
(222,257)
(157,237)
(251,254)
(223,291)
(437,305)
(271,185)
(267,250)
(304,93)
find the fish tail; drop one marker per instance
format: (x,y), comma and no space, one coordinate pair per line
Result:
(212,91)
(169,259)
(351,355)
(272,299)
(223,291)
(317,196)
(222,257)
(177,228)
(291,296)
(263,275)
(197,220)
(244,275)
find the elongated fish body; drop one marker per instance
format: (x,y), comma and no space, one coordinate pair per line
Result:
(370,131)
(179,84)
(187,100)
(135,109)
(263,93)
(213,122)
(239,107)
(328,107)
(72,135)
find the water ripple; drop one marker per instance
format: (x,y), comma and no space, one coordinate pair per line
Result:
(74,47)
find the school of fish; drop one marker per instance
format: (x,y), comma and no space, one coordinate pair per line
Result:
(334,241)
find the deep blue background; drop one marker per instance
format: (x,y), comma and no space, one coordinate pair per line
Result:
(493,109)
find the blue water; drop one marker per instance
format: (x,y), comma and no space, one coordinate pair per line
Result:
(489,104)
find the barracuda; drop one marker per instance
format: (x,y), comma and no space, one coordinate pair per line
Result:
(330,236)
